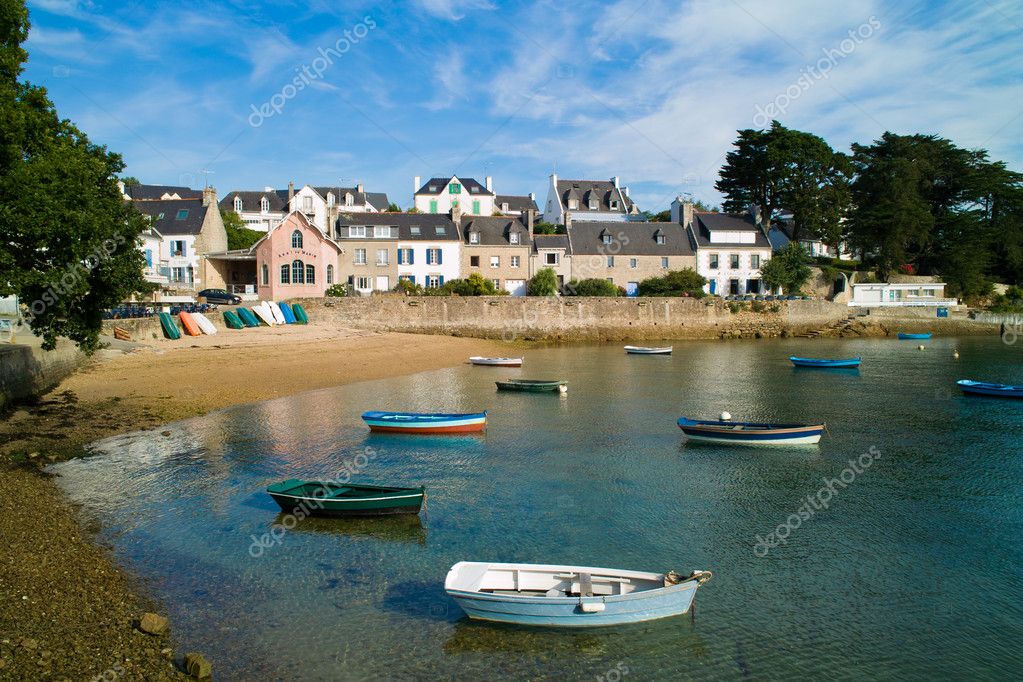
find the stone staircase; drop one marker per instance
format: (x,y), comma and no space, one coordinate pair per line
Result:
(838,327)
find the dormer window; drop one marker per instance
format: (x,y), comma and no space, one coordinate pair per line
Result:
(349,200)
(356,231)
(474,190)
(606,239)
(414,230)
(513,237)
(381,232)
(573,204)
(504,205)
(454,188)
(474,237)
(593,204)
(182,214)
(431,188)
(660,239)
(441,229)
(264,205)
(237,204)
(614,205)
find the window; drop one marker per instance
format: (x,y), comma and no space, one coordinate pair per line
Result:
(513,237)
(441,229)
(551,258)
(660,239)
(182,214)
(610,261)
(356,231)
(454,188)
(614,205)
(754,261)
(177,274)
(297,272)
(594,205)
(474,237)
(307,204)
(265,274)
(433,205)
(382,257)
(381,232)
(264,205)
(237,204)
(633,263)
(476,208)
(178,248)
(285,274)
(495,261)
(434,281)
(664,262)
(474,261)
(515,261)
(362,283)
(414,229)
(497,283)
(349,200)
(296,240)
(310,274)
(330,274)
(504,206)
(713,261)
(573,204)
(606,239)
(359,256)
(734,261)
(405,257)
(434,257)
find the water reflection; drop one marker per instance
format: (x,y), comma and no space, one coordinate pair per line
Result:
(393,528)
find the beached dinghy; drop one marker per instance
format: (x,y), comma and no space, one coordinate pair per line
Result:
(824,362)
(750,433)
(569,596)
(496,362)
(532,385)
(420,422)
(646,350)
(323,498)
(908,337)
(990,389)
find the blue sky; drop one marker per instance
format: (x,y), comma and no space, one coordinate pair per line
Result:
(650,91)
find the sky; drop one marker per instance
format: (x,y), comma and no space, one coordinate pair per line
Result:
(325,92)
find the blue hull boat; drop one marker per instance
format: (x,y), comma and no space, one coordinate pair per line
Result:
(568,596)
(425,422)
(824,362)
(913,337)
(990,389)
(750,433)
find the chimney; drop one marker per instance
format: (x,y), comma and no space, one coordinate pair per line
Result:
(415,184)
(490,184)
(532,196)
(209,196)
(568,220)
(291,190)
(615,180)
(456,214)
(359,188)
(530,219)
(687,214)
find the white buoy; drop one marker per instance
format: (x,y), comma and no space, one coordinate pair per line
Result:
(725,416)
(920,347)
(955,353)
(562,388)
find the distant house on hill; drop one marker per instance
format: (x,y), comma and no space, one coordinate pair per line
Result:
(441,195)
(511,205)
(593,200)
(262,210)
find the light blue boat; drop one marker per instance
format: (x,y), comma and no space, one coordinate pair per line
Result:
(824,363)
(905,336)
(569,596)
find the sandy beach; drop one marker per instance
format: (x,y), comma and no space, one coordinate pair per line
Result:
(67,612)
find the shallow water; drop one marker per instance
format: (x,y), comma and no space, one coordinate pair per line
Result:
(912,570)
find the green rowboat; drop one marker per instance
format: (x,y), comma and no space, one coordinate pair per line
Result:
(324,498)
(532,385)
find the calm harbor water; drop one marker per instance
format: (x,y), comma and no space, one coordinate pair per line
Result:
(912,570)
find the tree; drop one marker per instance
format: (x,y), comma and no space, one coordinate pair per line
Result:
(543,283)
(393,208)
(239,236)
(474,285)
(789,269)
(70,244)
(684,282)
(591,287)
(548,228)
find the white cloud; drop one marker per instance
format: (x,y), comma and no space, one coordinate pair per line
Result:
(453,10)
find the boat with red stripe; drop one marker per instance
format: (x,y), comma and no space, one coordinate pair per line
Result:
(425,422)
(726,432)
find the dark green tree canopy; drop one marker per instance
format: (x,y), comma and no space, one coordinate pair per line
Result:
(543,283)
(684,282)
(789,269)
(68,242)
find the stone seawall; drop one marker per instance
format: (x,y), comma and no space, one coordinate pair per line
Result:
(26,371)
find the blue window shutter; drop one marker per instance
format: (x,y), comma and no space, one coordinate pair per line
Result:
(411,257)
(401,256)
(184,248)
(429,256)
(442,280)
(440,257)
(412,278)
(149,258)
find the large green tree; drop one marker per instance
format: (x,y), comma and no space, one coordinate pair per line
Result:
(239,236)
(789,269)
(782,168)
(68,241)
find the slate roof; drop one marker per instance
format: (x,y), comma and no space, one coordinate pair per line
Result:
(552,241)
(250,200)
(174,216)
(432,226)
(378,200)
(155,192)
(630,239)
(604,191)
(494,231)
(435,186)
(704,223)
(515,203)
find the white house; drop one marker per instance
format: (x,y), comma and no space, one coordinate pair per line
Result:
(429,249)
(913,294)
(513,205)
(730,248)
(157,268)
(442,195)
(320,205)
(259,210)
(590,200)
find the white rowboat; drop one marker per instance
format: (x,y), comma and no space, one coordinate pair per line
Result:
(645,350)
(496,362)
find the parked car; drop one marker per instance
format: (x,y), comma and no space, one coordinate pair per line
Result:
(218,296)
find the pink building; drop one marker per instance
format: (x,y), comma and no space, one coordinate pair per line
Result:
(295,260)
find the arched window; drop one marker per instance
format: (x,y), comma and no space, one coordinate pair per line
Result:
(264,205)
(285,274)
(297,272)
(237,204)
(266,274)
(296,240)
(330,274)
(310,274)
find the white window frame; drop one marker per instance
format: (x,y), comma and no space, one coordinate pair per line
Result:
(515,261)
(355,231)
(633,263)
(495,261)
(664,262)
(383,257)
(359,256)
(547,258)
(513,238)
(610,261)
(381,232)
(364,283)
(238,204)
(474,237)
(264,205)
